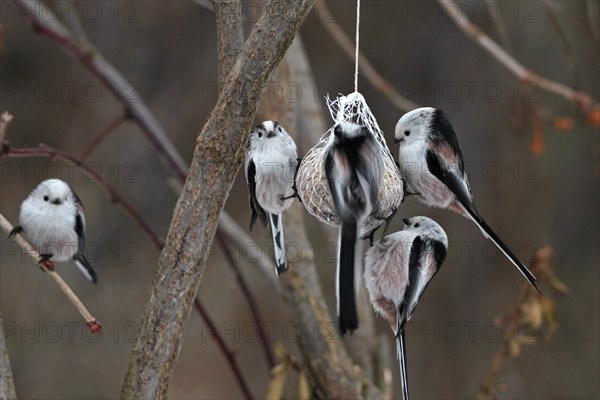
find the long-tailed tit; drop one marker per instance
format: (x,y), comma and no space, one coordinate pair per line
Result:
(398,269)
(52,220)
(270,167)
(354,172)
(432,165)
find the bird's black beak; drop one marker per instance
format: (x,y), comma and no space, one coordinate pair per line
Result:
(56,201)
(406,221)
(271,134)
(398,140)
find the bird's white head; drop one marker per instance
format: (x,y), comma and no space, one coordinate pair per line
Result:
(53,192)
(269,135)
(427,227)
(414,126)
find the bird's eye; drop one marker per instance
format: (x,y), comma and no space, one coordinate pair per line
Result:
(45,198)
(259,134)
(406,133)
(417,225)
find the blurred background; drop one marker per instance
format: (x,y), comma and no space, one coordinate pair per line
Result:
(532,158)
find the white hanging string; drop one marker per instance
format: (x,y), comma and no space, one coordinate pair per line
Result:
(357,43)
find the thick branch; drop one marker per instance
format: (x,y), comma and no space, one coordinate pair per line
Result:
(331,369)
(217,157)
(230,34)
(7,384)
(322,350)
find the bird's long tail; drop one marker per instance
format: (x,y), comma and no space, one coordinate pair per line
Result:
(347,267)
(281,263)
(86,268)
(490,234)
(401,348)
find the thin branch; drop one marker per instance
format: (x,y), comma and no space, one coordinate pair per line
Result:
(7,383)
(216,160)
(373,76)
(49,25)
(475,33)
(116,197)
(229,355)
(251,302)
(5,120)
(91,322)
(236,234)
(105,132)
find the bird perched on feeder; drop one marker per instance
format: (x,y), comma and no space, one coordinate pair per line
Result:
(431,163)
(398,269)
(270,168)
(354,170)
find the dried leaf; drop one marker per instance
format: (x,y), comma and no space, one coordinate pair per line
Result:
(515,348)
(279,376)
(594,117)
(303,387)
(280,351)
(532,312)
(549,309)
(563,124)
(537,142)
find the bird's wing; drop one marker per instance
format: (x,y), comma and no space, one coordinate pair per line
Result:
(426,258)
(257,210)
(458,186)
(332,178)
(440,163)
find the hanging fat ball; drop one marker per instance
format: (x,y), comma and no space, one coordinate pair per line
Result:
(311,180)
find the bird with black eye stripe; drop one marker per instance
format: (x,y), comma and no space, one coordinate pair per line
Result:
(270,169)
(431,162)
(398,269)
(53,221)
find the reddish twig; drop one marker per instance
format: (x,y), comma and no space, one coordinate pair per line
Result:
(92,323)
(47,24)
(116,197)
(229,355)
(251,301)
(105,132)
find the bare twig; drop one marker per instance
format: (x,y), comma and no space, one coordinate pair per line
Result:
(45,151)
(91,322)
(373,76)
(236,234)
(251,302)
(7,383)
(49,25)
(217,158)
(475,33)
(105,132)
(529,312)
(229,355)
(5,120)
